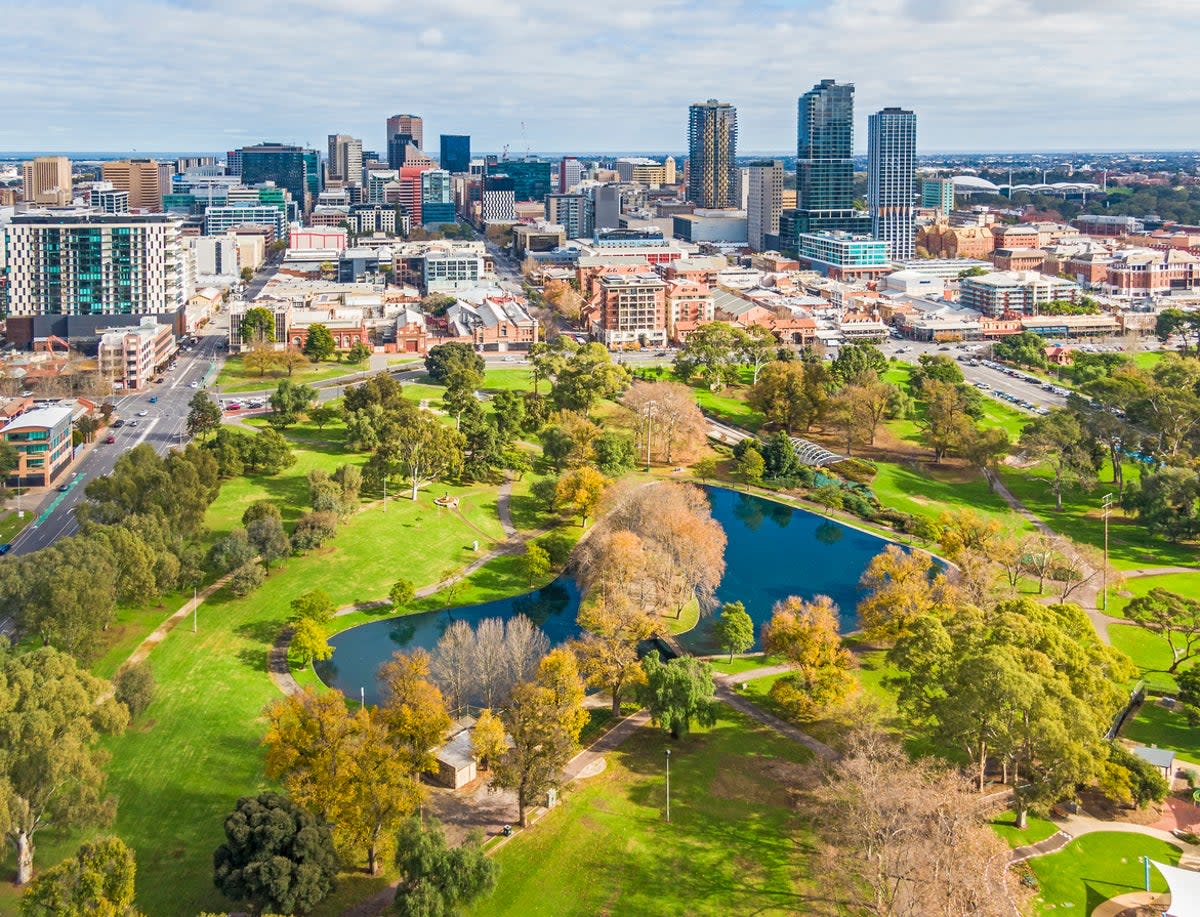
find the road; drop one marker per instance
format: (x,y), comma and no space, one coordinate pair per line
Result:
(163,427)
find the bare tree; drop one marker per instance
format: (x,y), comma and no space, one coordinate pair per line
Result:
(524,647)
(453,664)
(667,413)
(907,839)
(490,663)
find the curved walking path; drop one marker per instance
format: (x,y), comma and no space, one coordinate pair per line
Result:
(727,694)
(1128,901)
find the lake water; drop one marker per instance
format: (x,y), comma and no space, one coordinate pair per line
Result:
(773,551)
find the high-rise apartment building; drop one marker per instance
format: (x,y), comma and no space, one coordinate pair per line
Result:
(570,173)
(47,181)
(286,166)
(891,161)
(764,201)
(455,153)
(108,199)
(412,125)
(712,154)
(498,199)
(78,263)
(345,158)
(825,164)
(437,197)
(572,212)
(142,178)
(938,194)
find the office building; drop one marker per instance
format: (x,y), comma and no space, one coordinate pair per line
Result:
(824,166)
(194,162)
(411,125)
(403,151)
(498,199)
(130,357)
(42,441)
(447,272)
(1018,292)
(938,194)
(455,154)
(842,256)
(286,166)
(764,201)
(571,212)
(437,198)
(81,263)
(891,162)
(345,158)
(530,177)
(233,162)
(47,181)
(218,259)
(712,154)
(724,225)
(141,178)
(221,218)
(106,198)
(570,173)
(606,207)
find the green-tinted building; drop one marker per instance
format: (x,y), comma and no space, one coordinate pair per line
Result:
(286,166)
(530,177)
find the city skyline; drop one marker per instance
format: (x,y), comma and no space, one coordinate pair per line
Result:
(958,68)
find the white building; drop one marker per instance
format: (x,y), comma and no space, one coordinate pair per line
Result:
(448,272)
(764,201)
(218,260)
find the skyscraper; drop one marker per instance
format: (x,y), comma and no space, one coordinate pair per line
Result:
(764,201)
(938,194)
(712,152)
(47,181)
(455,154)
(141,178)
(345,158)
(286,166)
(824,162)
(412,125)
(891,159)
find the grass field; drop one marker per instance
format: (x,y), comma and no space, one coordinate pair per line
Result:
(1185,584)
(1148,651)
(10,525)
(742,663)
(1095,867)
(1036,829)
(234,377)
(733,845)
(928,491)
(1156,725)
(506,379)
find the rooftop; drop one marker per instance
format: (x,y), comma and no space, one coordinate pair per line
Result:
(39,417)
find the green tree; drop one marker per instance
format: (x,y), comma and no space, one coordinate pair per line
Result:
(323,415)
(422,450)
(1173,617)
(678,693)
(1167,503)
(319,345)
(289,401)
(437,880)
(854,361)
(462,382)
(276,856)
(749,466)
(230,552)
(1189,694)
(758,346)
(258,326)
(806,635)
(535,562)
(98,881)
(734,630)
(268,539)
(711,352)
(358,353)
(945,424)
(793,394)
(442,359)
(314,605)
(402,593)
(1057,441)
(587,376)
(51,766)
(247,274)
(134,686)
(313,530)
(246,578)
(509,411)
(1024,349)
(204,415)
(579,492)
(613,454)
(309,641)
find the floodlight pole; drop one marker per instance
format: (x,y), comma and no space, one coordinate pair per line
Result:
(1107,508)
(668,784)
(195,605)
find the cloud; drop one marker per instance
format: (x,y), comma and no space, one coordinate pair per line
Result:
(992,74)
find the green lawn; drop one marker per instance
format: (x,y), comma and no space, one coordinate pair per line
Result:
(1095,867)
(927,491)
(519,379)
(1036,829)
(742,663)
(729,404)
(1147,360)
(234,377)
(730,847)
(1156,725)
(10,525)
(1148,651)
(1185,584)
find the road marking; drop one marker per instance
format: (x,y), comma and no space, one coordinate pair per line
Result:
(146,432)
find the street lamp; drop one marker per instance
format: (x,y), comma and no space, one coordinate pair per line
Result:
(668,784)
(1106,506)
(651,410)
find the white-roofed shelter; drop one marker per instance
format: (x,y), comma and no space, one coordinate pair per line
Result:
(1185,890)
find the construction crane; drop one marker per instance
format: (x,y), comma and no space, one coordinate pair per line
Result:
(47,344)
(504,153)
(525,139)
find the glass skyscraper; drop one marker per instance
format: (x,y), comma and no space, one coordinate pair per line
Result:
(287,166)
(712,154)
(530,177)
(891,160)
(825,164)
(455,155)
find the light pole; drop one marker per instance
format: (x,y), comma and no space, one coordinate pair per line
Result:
(668,784)
(651,409)
(195,606)
(1107,508)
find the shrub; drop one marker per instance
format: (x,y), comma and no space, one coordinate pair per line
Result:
(313,530)
(858,470)
(134,686)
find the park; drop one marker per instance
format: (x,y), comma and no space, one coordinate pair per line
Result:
(558,496)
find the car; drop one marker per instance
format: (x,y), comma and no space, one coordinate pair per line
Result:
(233,407)
(133,423)
(193,384)
(63,488)
(4,549)
(110,439)
(154,399)
(142,413)
(118,423)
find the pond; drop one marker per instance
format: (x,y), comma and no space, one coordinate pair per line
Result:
(773,551)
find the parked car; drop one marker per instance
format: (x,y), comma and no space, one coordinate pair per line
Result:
(193,384)
(118,423)
(4,549)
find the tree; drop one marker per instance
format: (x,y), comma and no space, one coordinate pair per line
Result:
(945,423)
(758,346)
(488,740)
(608,651)
(453,664)
(276,856)
(402,593)
(319,345)
(1167,503)
(1057,441)
(509,411)
(712,352)
(51,765)
(423,450)
(267,537)
(414,709)
(134,686)
(246,578)
(855,362)
(749,467)
(544,718)
(579,492)
(535,562)
(792,394)
(1024,349)
(437,880)
(568,441)
(806,635)
(291,360)
(97,880)
(358,353)
(322,415)
(259,358)
(667,418)
(247,274)
(678,693)
(258,326)
(587,375)
(1173,617)
(902,587)
(204,415)
(442,359)
(613,454)
(313,530)
(289,401)
(87,425)
(1189,694)
(734,630)
(309,642)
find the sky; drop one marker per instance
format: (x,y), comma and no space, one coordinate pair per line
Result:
(615,75)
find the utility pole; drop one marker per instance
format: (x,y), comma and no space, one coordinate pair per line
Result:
(1107,508)
(195,606)
(668,784)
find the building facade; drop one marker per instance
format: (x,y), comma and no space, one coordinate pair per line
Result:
(891,165)
(938,194)
(632,309)
(131,357)
(455,153)
(498,199)
(47,181)
(1016,292)
(842,256)
(219,220)
(412,125)
(345,158)
(141,179)
(570,173)
(437,197)
(764,201)
(571,212)
(712,154)
(286,166)
(42,440)
(448,272)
